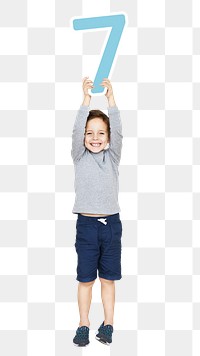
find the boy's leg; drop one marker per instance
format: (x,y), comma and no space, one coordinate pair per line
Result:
(84,301)
(108,299)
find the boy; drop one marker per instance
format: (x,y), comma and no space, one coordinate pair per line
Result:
(96,153)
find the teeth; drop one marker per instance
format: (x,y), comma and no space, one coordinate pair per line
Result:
(95,144)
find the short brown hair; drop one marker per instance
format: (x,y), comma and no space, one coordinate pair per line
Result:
(93,114)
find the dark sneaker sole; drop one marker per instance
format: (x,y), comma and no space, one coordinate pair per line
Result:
(81,345)
(103,341)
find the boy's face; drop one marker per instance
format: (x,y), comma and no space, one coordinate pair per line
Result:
(96,135)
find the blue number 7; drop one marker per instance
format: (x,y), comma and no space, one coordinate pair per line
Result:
(116,22)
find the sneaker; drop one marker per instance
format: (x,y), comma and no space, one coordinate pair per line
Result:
(104,334)
(82,336)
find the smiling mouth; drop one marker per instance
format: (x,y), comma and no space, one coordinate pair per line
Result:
(95,144)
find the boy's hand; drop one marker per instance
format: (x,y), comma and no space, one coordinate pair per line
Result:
(87,84)
(107,84)
(109,93)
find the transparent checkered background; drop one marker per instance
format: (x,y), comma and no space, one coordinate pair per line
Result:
(156,80)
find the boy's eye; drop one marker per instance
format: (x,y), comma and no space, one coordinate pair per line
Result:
(102,133)
(89,133)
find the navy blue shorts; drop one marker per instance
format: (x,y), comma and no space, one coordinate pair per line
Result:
(98,246)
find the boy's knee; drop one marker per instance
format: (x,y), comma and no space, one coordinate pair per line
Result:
(87,284)
(106,281)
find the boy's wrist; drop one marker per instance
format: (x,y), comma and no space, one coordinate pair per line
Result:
(86,100)
(111,101)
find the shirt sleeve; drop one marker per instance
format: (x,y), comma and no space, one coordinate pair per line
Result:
(116,136)
(78,147)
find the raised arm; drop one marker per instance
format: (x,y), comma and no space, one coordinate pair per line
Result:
(78,147)
(116,136)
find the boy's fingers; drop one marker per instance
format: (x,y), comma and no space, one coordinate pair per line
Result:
(105,85)
(87,81)
(105,81)
(89,87)
(84,79)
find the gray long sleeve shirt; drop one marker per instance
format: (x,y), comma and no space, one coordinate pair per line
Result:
(96,174)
